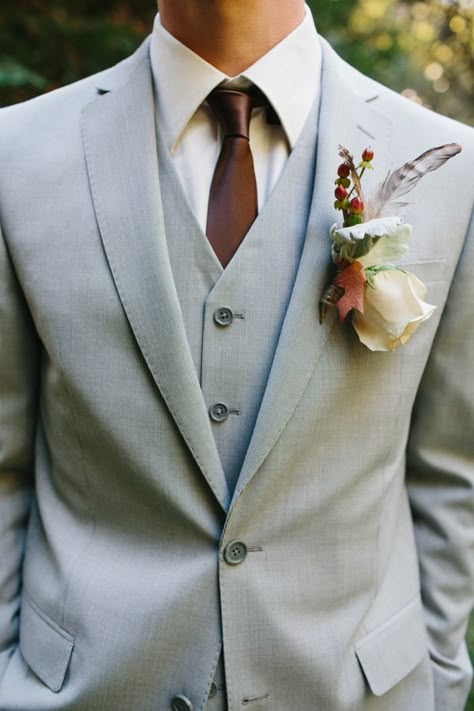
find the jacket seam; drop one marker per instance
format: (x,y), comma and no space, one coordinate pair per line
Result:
(47,620)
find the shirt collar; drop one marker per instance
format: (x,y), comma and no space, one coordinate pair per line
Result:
(288,75)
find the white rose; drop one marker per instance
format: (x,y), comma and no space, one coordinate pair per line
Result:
(393,309)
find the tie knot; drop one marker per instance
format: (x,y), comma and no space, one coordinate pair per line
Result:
(232,108)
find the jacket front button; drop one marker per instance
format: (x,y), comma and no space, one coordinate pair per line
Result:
(219,412)
(181,703)
(223,316)
(235,552)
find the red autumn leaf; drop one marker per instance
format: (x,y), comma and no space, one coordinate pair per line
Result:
(352,280)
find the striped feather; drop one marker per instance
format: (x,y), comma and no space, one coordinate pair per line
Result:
(401,181)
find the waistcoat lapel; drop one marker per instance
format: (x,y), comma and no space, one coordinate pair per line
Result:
(120,148)
(234,361)
(349,119)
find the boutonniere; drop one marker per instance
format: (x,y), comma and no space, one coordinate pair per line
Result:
(385,301)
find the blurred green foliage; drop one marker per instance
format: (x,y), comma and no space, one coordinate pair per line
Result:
(423,49)
(47,43)
(470,644)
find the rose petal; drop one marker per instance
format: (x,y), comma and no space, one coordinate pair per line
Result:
(393,310)
(379,241)
(389,248)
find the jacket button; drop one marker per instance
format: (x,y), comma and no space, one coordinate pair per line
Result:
(219,412)
(223,316)
(235,552)
(181,703)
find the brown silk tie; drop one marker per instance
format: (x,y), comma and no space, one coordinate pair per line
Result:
(233,195)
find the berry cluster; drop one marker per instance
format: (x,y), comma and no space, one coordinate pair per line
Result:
(347,182)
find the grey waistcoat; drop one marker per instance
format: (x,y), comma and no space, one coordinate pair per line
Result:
(233,358)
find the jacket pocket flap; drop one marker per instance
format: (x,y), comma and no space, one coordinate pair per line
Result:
(45,647)
(391,651)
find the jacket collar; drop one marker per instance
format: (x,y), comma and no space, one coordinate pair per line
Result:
(347,116)
(120,147)
(183,79)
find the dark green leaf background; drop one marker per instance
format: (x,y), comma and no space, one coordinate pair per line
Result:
(423,49)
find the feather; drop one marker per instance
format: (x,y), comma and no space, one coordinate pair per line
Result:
(401,181)
(344,153)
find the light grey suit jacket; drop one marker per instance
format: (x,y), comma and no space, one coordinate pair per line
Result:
(355,499)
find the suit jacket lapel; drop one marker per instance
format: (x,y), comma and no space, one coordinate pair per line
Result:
(349,119)
(120,147)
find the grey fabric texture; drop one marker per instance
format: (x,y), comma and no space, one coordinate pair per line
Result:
(233,363)
(354,497)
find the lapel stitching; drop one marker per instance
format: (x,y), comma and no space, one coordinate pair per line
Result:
(120,147)
(303,339)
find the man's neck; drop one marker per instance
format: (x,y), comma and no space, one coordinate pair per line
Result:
(231,34)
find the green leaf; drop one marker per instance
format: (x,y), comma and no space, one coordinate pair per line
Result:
(13,73)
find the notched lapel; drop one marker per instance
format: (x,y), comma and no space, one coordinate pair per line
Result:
(351,119)
(120,148)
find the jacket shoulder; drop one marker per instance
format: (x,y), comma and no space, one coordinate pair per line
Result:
(51,115)
(420,124)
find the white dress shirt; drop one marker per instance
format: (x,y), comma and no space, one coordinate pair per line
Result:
(289,76)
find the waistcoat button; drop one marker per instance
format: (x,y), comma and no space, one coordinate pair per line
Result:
(235,552)
(219,412)
(223,316)
(181,703)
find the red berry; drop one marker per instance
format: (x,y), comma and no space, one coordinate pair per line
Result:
(340,193)
(356,206)
(368,155)
(343,171)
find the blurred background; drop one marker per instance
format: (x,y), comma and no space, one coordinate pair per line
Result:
(423,49)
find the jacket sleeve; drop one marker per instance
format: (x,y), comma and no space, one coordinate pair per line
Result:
(19,361)
(440,481)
